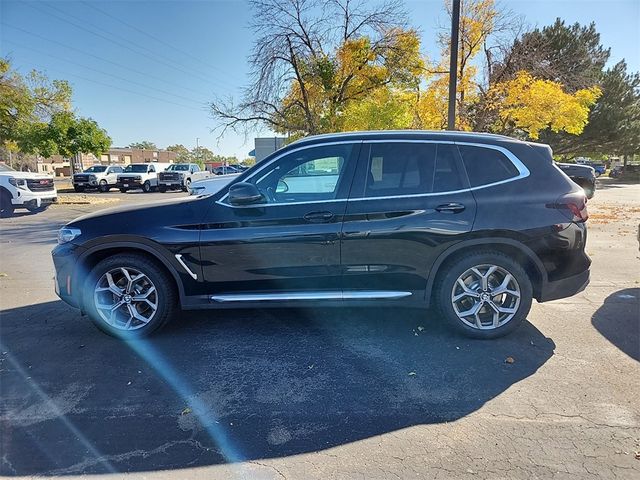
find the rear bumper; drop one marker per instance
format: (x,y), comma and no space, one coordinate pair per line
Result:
(565,287)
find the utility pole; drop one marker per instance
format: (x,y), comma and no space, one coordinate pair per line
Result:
(453,64)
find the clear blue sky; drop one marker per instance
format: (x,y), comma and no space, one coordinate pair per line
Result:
(145,70)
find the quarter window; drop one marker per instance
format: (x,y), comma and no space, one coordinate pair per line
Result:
(486,165)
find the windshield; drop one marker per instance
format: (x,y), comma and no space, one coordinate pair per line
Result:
(95,168)
(6,168)
(180,168)
(136,169)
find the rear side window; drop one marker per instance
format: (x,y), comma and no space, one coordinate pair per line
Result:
(397,168)
(486,165)
(400,169)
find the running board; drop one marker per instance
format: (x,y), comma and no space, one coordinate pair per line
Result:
(331,295)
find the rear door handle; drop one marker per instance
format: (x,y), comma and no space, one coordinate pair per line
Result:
(318,217)
(450,208)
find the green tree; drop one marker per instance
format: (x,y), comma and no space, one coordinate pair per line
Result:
(571,55)
(145,144)
(182,153)
(65,135)
(28,99)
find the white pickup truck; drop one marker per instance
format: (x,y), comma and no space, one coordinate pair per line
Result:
(102,177)
(33,191)
(179,176)
(140,176)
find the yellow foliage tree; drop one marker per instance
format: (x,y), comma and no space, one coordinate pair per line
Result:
(531,105)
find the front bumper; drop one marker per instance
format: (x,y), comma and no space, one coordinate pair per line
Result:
(129,184)
(65,260)
(27,198)
(565,287)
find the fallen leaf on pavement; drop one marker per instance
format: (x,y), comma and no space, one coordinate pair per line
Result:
(412,374)
(509,360)
(186,411)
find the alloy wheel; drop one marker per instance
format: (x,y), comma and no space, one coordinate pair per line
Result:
(125,298)
(485,297)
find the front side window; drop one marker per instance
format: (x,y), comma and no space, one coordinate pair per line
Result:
(486,165)
(136,169)
(310,174)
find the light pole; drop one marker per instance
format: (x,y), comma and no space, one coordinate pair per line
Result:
(453,65)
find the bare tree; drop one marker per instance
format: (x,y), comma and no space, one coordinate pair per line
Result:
(297,41)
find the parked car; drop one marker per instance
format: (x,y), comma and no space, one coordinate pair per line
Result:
(629,172)
(226,170)
(179,176)
(379,218)
(33,191)
(583,175)
(101,177)
(600,168)
(140,176)
(211,185)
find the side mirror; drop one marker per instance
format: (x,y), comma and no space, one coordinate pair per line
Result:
(244,193)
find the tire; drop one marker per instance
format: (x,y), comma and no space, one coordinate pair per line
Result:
(78,189)
(162,188)
(103,186)
(146,187)
(39,209)
(187,184)
(516,301)
(99,291)
(6,207)
(123,190)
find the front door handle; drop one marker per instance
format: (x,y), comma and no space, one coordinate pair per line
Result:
(450,208)
(318,217)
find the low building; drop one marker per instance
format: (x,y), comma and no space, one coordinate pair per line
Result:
(59,166)
(265,146)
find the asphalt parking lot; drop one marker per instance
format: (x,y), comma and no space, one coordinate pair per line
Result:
(326,393)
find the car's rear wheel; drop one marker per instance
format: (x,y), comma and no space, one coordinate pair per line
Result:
(6,207)
(129,296)
(103,186)
(484,294)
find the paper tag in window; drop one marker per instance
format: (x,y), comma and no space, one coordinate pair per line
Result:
(376,168)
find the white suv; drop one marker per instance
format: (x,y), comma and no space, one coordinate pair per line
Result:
(102,177)
(140,176)
(33,191)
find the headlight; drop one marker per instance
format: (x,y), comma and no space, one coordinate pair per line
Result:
(138,177)
(17,182)
(66,234)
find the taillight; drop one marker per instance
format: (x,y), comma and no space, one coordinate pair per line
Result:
(573,206)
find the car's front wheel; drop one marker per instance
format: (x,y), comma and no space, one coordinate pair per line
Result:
(103,186)
(146,187)
(129,296)
(484,294)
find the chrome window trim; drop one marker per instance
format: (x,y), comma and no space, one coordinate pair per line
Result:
(328,295)
(523,172)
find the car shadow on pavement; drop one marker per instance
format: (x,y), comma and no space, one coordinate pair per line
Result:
(618,320)
(228,386)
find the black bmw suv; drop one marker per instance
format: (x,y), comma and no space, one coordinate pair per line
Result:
(477,224)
